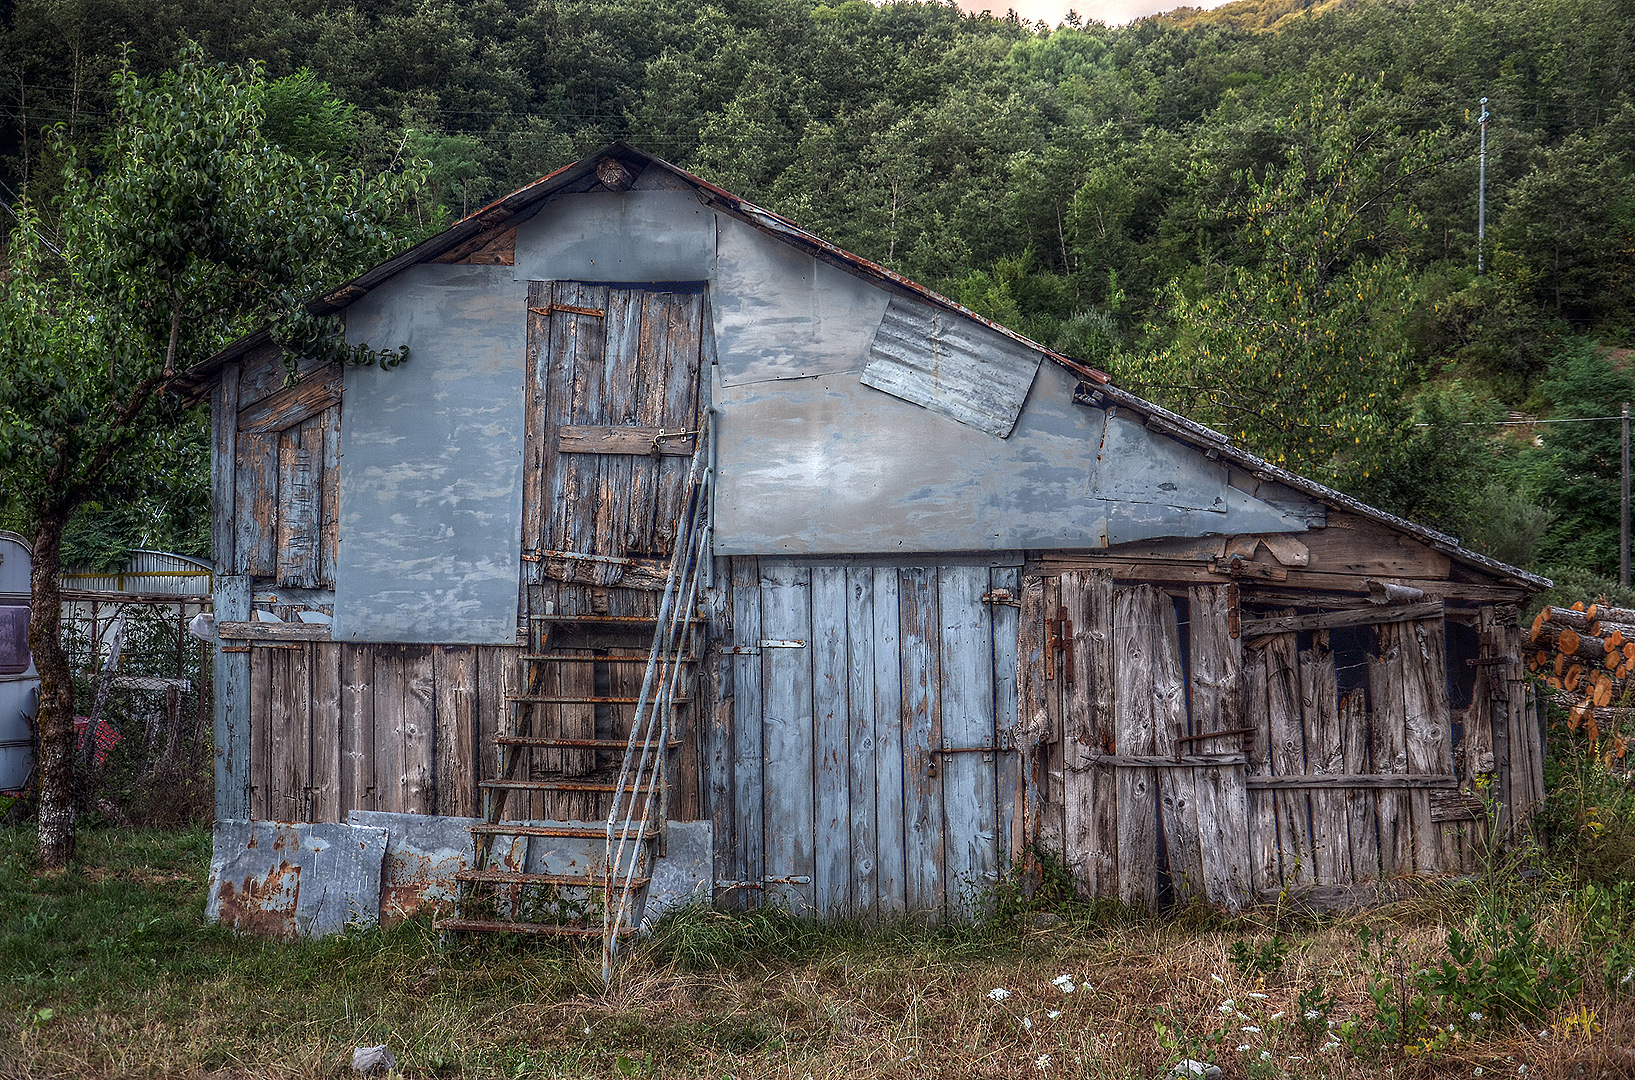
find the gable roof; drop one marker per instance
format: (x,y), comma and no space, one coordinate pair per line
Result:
(585,175)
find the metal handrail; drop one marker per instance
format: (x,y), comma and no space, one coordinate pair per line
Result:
(649,736)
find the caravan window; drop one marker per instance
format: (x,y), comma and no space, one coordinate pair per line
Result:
(13,639)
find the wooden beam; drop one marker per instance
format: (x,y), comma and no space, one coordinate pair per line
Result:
(591,439)
(270,631)
(1362,780)
(1330,620)
(1151,761)
(293,404)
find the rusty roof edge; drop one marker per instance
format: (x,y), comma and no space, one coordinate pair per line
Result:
(1209,438)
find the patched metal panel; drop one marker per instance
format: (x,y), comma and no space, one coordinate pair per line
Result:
(828,466)
(423,853)
(431,461)
(282,879)
(624,236)
(952,365)
(780,313)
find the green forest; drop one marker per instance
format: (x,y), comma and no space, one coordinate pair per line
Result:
(1263,215)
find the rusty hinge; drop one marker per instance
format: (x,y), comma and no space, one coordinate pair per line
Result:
(1234,620)
(1181,738)
(1001,596)
(1060,630)
(593,312)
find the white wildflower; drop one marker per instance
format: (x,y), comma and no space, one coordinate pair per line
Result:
(1278,1015)
(1334,1045)
(999,993)
(1218,979)
(1251,1028)
(1228,1005)
(1054,1013)
(1244,1049)
(1258,996)
(1521,1070)
(1476,1071)
(1027,1023)
(1296,1057)
(1042,1063)
(1243,1016)
(1476,1018)
(1265,1055)
(1313,1014)
(1064,983)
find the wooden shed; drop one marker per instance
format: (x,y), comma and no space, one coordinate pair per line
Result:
(892,595)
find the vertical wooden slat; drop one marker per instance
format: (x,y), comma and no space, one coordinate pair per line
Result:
(922,729)
(1074,686)
(648,324)
(616,473)
(1035,701)
(298,508)
(1362,813)
(1430,735)
(454,676)
(223,467)
(1265,864)
(687,339)
(582,497)
(419,731)
(390,763)
(965,682)
(860,693)
(329,497)
(1216,666)
(325,660)
(256,504)
(263,716)
(358,790)
(1004,619)
(786,681)
(232,720)
(539,430)
(1390,746)
(831,743)
(717,730)
(1133,728)
(748,762)
(1320,707)
(1289,759)
(1177,788)
(890,762)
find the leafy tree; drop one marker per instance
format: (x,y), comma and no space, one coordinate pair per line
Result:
(186,224)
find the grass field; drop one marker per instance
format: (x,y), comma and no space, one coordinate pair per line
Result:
(109,970)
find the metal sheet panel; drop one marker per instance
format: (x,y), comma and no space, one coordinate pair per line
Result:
(283,879)
(624,236)
(829,466)
(423,853)
(431,461)
(780,313)
(952,365)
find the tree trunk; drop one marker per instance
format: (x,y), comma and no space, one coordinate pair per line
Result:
(56,719)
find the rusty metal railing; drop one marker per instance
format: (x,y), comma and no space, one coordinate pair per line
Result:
(638,810)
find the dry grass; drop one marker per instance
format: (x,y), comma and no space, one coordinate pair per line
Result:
(109,972)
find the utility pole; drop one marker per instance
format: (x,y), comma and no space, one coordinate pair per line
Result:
(1623,511)
(1481,191)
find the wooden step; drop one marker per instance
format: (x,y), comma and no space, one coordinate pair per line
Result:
(518,828)
(540,699)
(558,785)
(501,926)
(580,658)
(513,877)
(569,744)
(608,620)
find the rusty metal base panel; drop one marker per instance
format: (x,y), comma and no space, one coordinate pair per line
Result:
(283,879)
(423,853)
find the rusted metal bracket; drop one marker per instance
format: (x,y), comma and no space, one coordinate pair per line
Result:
(728,883)
(1001,596)
(1060,631)
(593,312)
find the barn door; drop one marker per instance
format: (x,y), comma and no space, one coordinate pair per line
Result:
(612,406)
(1141,762)
(1353,758)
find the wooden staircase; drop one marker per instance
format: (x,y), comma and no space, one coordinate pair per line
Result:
(580,792)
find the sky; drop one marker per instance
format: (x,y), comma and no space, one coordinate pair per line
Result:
(1108,11)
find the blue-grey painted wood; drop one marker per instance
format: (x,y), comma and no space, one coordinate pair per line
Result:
(625,236)
(951,365)
(891,872)
(831,744)
(431,461)
(787,734)
(223,466)
(1134,623)
(866,765)
(232,704)
(1004,618)
(922,727)
(969,796)
(748,763)
(830,466)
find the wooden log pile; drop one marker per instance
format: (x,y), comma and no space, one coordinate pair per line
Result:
(1587,656)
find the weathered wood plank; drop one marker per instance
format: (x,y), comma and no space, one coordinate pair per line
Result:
(539,427)
(329,498)
(262,372)
(865,764)
(1430,737)
(223,467)
(631,318)
(1329,620)
(786,681)
(615,473)
(271,719)
(454,676)
(749,762)
(1390,747)
(720,782)
(1362,813)
(831,743)
(1289,759)
(891,763)
(492,247)
(1216,665)
(232,723)
(623,439)
(1134,720)
(922,730)
(688,337)
(233,630)
(969,796)
(324,659)
(1036,701)
(292,405)
(256,505)
(1320,707)
(299,508)
(1006,709)
(390,681)
(357,728)
(1177,787)
(419,731)
(1265,862)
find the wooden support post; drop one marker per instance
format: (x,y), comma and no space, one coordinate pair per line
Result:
(1623,508)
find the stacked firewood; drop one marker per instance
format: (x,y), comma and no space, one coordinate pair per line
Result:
(1587,655)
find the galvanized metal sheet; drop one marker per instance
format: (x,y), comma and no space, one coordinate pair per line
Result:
(423,853)
(827,465)
(780,313)
(682,875)
(282,879)
(431,461)
(625,236)
(951,364)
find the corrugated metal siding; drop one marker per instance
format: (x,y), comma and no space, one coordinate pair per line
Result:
(951,364)
(156,573)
